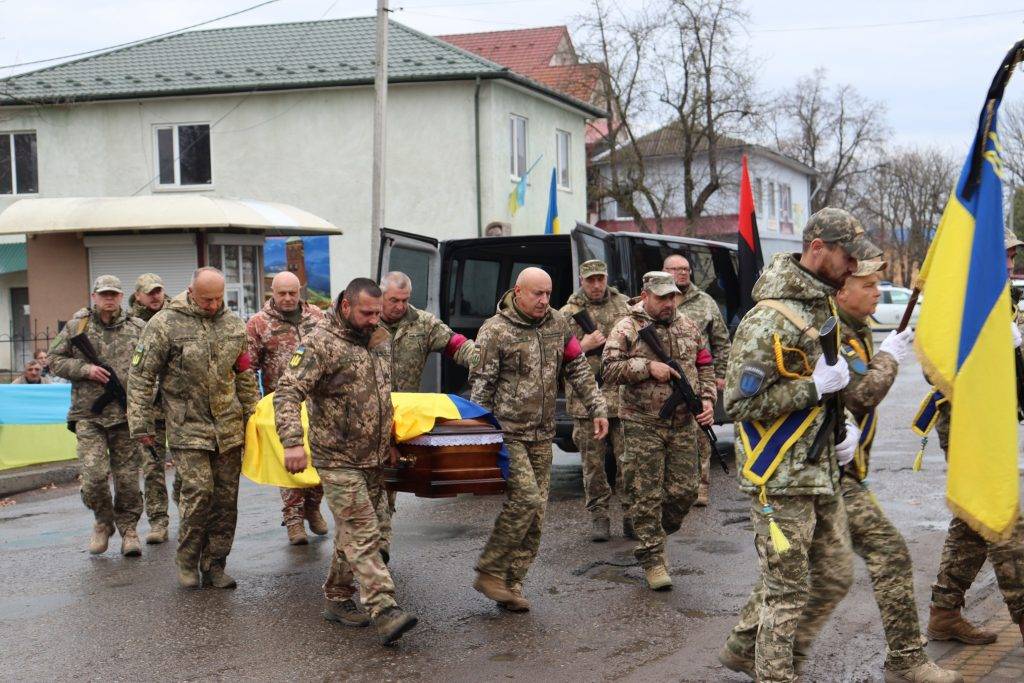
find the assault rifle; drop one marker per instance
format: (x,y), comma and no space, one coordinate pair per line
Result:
(682,392)
(586,324)
(835,421)
(113,390)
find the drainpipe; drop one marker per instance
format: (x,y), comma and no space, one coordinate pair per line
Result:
(476,128)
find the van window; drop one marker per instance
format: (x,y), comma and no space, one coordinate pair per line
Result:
(518,267)
(590,247)
(415,264)
(479,287)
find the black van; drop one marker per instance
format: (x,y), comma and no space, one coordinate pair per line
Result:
(462,280)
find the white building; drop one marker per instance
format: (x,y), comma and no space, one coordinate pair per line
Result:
(284,113)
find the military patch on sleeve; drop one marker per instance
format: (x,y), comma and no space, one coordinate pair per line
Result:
(297,357)
(140,351)
(751,379)
(853,359)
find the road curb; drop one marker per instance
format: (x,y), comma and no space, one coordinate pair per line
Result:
(32,477)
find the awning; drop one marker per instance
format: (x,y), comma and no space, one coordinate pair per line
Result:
(158,212)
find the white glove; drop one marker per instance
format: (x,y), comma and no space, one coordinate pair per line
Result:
(828,379)
(1016,334)
(848,447)
(898,344)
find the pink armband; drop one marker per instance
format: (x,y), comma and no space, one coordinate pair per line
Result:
(573,350)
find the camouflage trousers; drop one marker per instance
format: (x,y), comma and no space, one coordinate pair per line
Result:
(885,553)
(208,505)
(154,478)
(106,453)
(796,591)
(596,489)
(353,497)
(662,470)
(297,502)
(515,540)
(704,448)
(963,555)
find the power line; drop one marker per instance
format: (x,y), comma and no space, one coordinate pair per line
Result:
(140,40)
(475,21)
(910,22)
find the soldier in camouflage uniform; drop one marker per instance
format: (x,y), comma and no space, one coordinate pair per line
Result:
(274,333)
(105,449)
(524,349)
(873,536)
(964,551)
(776,368)
(148,298)
(605,306)
(414,334)
(196,350)
(661,454)
(343,372)
(703,310)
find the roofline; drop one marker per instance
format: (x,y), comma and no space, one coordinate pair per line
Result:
(743,146)
(442,36)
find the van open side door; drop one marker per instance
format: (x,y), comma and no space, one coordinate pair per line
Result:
(589,243)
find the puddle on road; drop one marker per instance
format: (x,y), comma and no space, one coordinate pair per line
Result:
(503,657)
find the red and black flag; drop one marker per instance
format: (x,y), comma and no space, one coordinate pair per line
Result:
(751,261)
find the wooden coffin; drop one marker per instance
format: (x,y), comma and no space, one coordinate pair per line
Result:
(440,464)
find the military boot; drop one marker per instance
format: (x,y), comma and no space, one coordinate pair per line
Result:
(391,623)
(518,602)
(627,528)
(734,662)
(317,523)
(130,546)
(218,578)
(296,532)
(929,672)
(493,587)
(948,624)
(346,613)
(188,574)
(702,496)
(658,578)
(600,529)
(157,534)
(100,538)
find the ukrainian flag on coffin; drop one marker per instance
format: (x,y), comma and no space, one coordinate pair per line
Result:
(414,415)
(33,426)
(963,335)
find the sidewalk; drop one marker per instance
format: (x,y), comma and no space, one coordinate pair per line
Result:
(1000,662)
(22,479)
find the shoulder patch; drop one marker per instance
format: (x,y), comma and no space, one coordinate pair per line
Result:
(300,352)
(853,359)
(751,379)
(140,351)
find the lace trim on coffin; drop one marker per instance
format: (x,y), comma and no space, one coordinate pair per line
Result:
(455,439)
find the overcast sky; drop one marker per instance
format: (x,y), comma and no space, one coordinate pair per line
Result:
(930,61)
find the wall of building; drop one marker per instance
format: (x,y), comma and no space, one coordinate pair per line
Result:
(8,281)
(58,279)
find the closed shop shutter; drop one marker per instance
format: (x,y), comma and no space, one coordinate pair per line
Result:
(172,257)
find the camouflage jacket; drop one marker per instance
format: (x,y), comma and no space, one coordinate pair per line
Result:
(703,310)
(413,337)
(345,379)
(272,339)
(627,360)
(142,312)
(766,393)
(605,313)
(520,363)
(114,344)
(202,366)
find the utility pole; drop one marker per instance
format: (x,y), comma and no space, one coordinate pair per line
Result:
(380,88)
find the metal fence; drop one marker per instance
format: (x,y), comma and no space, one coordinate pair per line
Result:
(19,347)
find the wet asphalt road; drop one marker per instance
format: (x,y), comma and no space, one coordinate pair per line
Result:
(65,614)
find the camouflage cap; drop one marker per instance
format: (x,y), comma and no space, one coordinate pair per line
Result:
(660,283)
(107,283)
(869,267)
(837,226)
(593,267)
(1010,241)
(147,282)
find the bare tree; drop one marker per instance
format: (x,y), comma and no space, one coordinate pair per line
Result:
(834,130)
(1011,136)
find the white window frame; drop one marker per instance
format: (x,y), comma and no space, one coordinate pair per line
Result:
(785,203)
(14,162)
(224,242)
(563,165)
(514,171)
(771,200)
(176,185)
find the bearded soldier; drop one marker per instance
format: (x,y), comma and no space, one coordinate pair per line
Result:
(661,452)
(604,307)
(274,333)
(524,349)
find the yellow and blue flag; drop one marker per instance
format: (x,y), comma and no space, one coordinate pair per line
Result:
(963,335)
(517,197)
(551,225)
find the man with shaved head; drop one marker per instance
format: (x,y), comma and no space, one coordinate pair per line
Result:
(196,349)
(274,335)
(524,349)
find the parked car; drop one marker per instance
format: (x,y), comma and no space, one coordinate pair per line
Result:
(891,305)
(462,280)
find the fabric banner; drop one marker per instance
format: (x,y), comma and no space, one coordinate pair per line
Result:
(33,427)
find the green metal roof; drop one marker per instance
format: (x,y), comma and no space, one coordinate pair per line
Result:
(12,257)
(269,57)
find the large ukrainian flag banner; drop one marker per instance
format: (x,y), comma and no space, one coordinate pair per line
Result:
(963,335)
